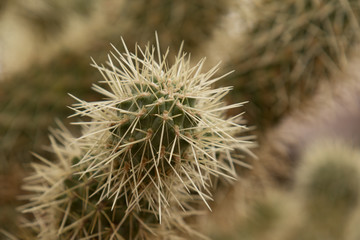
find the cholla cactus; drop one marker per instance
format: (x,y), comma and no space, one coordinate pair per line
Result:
(329,179)
(150,149)
(174,21)
(323,204)
(69,208)
(291,48)
(30,101)
(49,18)
(327,191)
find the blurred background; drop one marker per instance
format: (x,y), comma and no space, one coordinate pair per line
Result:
(295,62)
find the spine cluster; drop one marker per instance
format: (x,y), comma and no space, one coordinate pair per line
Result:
(151,149)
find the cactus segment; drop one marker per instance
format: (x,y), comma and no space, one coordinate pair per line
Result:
(150,151)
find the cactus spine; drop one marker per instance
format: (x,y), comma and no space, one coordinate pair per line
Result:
(150,149)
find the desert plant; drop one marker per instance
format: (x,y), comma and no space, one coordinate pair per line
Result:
(191,21)
(72,208)
(30,101)
(149,153)
(329,185)
(321,205)
(292,46)
(263,214)
(49,18)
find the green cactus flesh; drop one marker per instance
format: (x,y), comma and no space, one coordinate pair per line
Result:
(90,215)
(158,111)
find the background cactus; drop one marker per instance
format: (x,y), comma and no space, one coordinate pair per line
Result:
(322,204)
(49,18)
(329,179)
(291,47)
(29,103)
(149,152)
(332,113)
(175,21)
(41,30)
